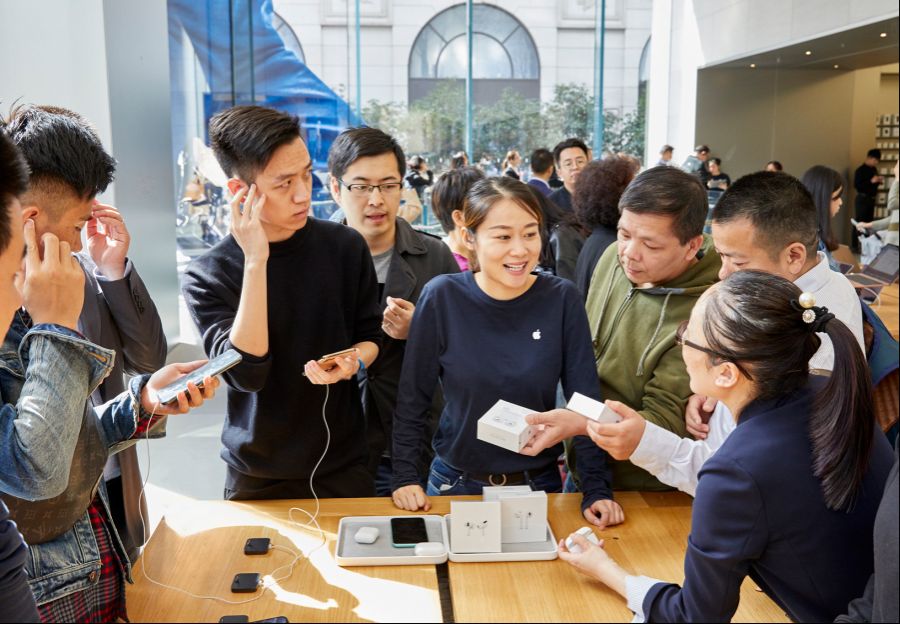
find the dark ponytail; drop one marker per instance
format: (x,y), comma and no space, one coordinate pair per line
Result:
(842,421)
(754,319)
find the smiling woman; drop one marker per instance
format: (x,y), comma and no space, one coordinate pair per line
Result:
(535,331)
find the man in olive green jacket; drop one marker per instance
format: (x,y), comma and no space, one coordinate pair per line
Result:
(643,287)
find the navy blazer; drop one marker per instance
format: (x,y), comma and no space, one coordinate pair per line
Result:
(759,511)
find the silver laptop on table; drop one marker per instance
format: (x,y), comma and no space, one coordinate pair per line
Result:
(883,270)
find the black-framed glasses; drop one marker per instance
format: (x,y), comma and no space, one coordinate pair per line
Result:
(680,339)
(387,189)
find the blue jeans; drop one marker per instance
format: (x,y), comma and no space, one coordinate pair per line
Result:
(443,480)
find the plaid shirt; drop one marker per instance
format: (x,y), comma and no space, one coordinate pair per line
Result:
(104,600)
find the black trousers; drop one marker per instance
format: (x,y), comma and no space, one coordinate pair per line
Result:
(352,482)
(864,212)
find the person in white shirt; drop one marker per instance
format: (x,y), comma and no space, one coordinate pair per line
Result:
(764,221)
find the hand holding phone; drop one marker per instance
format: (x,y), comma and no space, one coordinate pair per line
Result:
(213,368)
(332,368)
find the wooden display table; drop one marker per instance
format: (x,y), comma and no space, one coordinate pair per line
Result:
(887,307)
(200,547)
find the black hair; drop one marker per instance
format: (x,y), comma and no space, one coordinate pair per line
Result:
(61,147)
(564,145)
(244,138)
(778,166)
(13,183)
(778,206)
(752,318)
(822,183)
(355,143)
(449,193)
(716,160)
(874,153)
(702,148)
(541,160)
(458,160)
(598,189)
(415,162)
(666,148)
(672,192)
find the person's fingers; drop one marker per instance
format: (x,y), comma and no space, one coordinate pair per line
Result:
(710,404)
(601,513)
(236,206)
(248,202)
(579,540)
(32,252)
(545,418)
(257,208)
(194,396)
(51,250)
(591,517)
(92,228)
(189,367)
(109,215)
(210,384)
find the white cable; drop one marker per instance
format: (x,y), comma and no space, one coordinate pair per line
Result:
(313,520)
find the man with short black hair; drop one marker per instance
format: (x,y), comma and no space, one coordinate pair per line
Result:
(642,289)
(69,168)
(570,157)
(366,166)
(866,181)
(767,222)
(284,289)
(695,164)
(541,171)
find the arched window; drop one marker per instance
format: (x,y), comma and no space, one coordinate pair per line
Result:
(288,36)
(503,54)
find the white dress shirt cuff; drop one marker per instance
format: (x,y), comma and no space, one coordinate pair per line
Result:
(636,589)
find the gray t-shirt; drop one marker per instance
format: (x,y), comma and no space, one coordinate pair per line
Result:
(383,264)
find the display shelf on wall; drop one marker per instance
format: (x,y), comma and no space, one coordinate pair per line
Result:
(887,139)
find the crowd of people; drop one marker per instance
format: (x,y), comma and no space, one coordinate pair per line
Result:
(736,360)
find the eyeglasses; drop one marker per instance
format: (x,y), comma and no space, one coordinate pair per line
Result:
(680,340)
(388,189)
(569,165)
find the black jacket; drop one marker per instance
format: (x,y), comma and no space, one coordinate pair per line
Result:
(417,258)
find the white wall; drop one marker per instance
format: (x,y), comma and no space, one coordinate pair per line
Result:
(703,33)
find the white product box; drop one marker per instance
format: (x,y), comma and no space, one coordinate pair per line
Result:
(504,425)
(523,513)
(475,527)
(595,410)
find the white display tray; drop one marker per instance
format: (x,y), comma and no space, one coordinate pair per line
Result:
(526,551)
(348,553)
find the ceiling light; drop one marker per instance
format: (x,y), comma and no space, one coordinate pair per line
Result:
(836,66)
(883,35)
(809,53)
(752,65)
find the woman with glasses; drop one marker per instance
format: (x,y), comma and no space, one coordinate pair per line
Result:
(790,498)
(496,332)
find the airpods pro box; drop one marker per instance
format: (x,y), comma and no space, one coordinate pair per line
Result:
(523,513)
(504,425)
(595,410)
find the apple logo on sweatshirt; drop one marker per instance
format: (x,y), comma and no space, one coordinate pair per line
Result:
(536,334)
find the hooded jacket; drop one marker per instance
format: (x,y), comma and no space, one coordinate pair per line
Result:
(638,362)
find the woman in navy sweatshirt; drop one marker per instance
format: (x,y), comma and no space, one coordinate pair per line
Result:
(497,332)
(791,496)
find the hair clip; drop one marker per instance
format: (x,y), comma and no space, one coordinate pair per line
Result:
(806,302)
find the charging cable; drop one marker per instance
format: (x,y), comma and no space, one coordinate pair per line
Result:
(313,522)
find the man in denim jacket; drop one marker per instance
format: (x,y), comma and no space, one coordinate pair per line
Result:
(54,443)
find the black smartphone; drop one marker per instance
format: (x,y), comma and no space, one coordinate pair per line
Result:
(407,532)
(256,546)
(215,366)
(234,619)
(245,583)
(278,619)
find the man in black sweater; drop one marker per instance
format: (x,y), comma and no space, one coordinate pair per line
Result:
(284,289)
(866,181)
(366,167)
